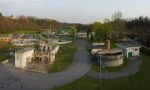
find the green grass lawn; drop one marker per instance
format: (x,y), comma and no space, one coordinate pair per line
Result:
(26,32)
(3,50)
(139,81)
(113,45)
(2,55)
(64,57)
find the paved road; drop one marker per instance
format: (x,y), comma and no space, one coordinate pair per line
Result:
(131,70)
(17,79)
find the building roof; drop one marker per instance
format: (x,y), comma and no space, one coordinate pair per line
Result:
(95,44)
(128,45)
(22,50)
(63,30)
(116,50)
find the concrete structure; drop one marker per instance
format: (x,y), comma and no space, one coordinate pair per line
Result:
(110,58)
(22,56)
(129,49)
(96,47)
(60,41)
(30,57)
(82,35)
(46,54)
(24,42)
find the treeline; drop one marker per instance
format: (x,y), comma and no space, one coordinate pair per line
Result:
(139,27)
(11,24)
(142,23)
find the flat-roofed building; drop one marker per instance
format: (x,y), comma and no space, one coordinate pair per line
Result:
(129,49)
(23,56)
(5,38)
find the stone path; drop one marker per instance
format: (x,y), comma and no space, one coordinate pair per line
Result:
(12,78)
(131,70)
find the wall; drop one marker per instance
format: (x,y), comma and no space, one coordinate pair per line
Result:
(95,51)
(21,58)
(53,54)
(135,53)
(112,63)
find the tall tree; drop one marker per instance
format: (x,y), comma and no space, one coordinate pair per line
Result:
(107,27)
(118,25)
(102,31)
(73,31)
(1,14)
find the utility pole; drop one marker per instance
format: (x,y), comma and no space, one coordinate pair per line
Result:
(50,31)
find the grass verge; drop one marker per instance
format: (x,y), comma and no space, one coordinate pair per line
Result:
(64,57)
(139,81)
(3,50)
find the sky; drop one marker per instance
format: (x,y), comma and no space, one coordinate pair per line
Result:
(75,11)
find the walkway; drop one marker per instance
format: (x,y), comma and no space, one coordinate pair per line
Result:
(17,79)
(131,70)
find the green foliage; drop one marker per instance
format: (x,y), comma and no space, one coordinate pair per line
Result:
(1,14)
(10,25)
(26,32)
(3,50)
(37,46)
(146,51)
(103,31)
(73,31)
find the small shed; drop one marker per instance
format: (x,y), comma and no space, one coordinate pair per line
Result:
(129,49)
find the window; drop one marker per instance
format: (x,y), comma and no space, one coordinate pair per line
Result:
(136,49)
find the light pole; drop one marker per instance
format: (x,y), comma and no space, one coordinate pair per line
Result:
(50,31)
(100,65)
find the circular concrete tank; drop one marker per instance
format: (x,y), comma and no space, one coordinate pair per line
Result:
(111,58)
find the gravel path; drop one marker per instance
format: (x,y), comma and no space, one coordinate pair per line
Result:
(17,79)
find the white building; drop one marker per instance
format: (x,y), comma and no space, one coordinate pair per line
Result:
(82,35)
(44,55)
(129,49)
(23,56)
(96,47)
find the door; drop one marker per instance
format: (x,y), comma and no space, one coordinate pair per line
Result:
(130,54)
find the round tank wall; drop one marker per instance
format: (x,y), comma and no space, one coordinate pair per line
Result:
(112,63)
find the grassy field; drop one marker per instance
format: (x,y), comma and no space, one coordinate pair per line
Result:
(3,50)
(64,57)
(139,81)
(26,32)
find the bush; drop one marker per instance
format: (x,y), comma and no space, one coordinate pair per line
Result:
(145,50)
